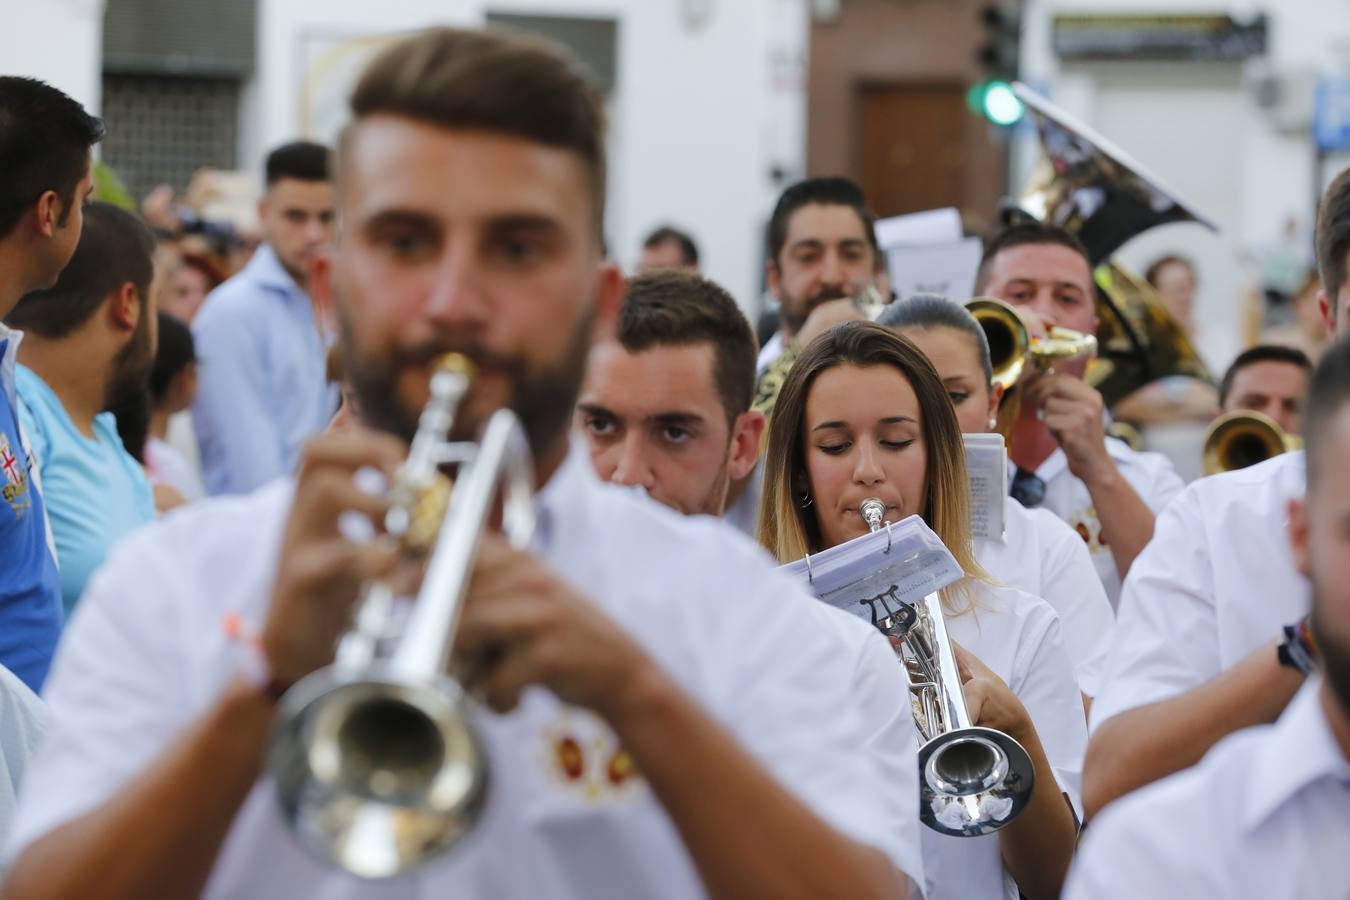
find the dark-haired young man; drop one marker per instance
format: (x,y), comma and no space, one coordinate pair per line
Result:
(668,248)
(1202,644)
(1268,379)
(89,342)
(821,247)
(45,141)
(667,726)
(1104,490)
(1264,814)
(263,390)
(666,403)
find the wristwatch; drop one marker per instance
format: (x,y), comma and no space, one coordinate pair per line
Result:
(1299,649)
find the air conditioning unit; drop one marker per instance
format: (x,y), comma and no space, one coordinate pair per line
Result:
(1286,98)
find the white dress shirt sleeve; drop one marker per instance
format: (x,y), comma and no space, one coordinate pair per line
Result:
(794,706)
(114,697)
(1070,584)
(1165,639)
(1043,680)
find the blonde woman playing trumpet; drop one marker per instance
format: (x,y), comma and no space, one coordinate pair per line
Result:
(863,414)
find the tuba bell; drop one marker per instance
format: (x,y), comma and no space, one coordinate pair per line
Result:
(377,764)
(1241,439)
(1095,191)
(972,780)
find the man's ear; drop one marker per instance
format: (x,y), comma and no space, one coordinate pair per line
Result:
(609,293)
(1298,536)
(746,433)
(47,213)
(126,307)
(319,272)
(771,276)
(1328,311)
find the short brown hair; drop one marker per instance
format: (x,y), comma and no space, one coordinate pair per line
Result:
(665,308)
(1333,236)
(1022,233)
(515,84)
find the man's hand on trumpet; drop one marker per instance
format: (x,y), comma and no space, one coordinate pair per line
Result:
(319,569)
(524,625)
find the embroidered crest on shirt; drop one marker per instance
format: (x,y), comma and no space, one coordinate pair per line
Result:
(1089,528)
(16,476)
(584,757)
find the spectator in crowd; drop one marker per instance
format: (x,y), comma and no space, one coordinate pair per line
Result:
(173,385)
(1173,277)
(187,285)
(263,390)
(45,141)
(89,344)
(1270,380)
(668,248)
(1306,328)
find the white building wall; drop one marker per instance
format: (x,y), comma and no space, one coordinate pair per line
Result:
(58,41)
(702,112)
(1225,150)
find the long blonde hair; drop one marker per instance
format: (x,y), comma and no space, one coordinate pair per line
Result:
(787,529)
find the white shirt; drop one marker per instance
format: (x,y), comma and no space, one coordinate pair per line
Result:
(1265,814)
(1216,582)
(1018,637)
(22,718)
(1042,556)
(168,466)
(1150,474)
(772,349)
(145,656)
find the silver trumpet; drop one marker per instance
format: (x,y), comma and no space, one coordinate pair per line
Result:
(972,780)
(377,765)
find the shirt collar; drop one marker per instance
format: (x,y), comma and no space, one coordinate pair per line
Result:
(11,337)
(1300,751)
(266,269)
(564,493)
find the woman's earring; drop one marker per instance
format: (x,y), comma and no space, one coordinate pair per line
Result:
(993,423)
(807,499)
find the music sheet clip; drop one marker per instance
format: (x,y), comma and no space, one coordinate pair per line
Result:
(906,561)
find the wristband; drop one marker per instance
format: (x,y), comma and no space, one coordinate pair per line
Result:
(1299,649)
(253,666)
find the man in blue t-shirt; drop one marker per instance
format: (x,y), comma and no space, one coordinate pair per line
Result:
(89,348)
(45,180)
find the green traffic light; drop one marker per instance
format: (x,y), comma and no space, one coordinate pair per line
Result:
(996,101)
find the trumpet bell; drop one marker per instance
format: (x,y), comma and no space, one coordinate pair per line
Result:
(973,781)
(1242,439)
(1007,336)
(376,775)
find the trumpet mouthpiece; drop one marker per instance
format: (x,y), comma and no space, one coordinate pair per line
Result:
(873,510)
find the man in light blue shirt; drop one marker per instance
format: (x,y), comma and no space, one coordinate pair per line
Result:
(262,384)
(89,344)
(45,140)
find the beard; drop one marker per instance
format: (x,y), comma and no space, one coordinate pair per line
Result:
(795,311)
(1334,658)
(541,396)
(130,377)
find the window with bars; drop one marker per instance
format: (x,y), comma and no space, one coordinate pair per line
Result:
(162,128)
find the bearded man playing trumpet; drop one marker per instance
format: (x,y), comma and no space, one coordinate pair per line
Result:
(1104,490)
(667,724)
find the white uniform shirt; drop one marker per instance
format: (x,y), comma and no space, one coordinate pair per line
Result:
(146,656)
(1216,582)
(771,350)
(1265,814)
(1150,474)
(1042,556)
(1018,637)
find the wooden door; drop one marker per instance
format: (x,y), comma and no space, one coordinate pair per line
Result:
(912,146)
